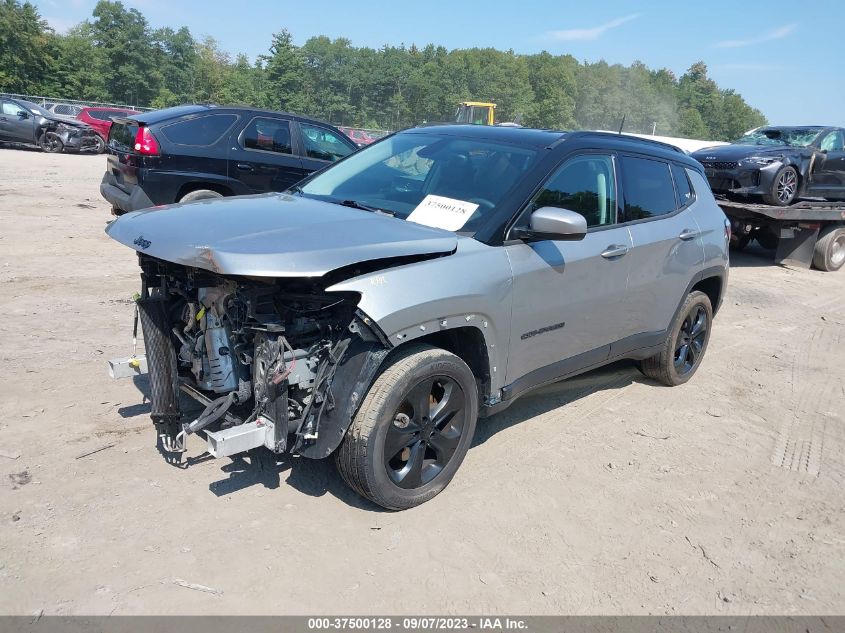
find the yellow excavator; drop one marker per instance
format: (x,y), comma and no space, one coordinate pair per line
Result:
(476,112)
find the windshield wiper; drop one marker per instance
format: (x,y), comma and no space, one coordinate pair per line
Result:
(364,207)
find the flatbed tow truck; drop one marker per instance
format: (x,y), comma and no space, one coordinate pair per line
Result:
(808,233)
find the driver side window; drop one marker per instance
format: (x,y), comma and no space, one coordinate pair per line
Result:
(834,142)
(584,184)
(11,109)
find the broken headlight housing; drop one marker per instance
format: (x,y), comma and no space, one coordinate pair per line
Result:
(762,161)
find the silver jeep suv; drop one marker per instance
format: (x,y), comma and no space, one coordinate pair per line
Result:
(378,309)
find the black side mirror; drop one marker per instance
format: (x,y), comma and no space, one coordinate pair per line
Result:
(23,114)
(552,223)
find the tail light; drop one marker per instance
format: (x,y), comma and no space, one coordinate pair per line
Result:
(145,142)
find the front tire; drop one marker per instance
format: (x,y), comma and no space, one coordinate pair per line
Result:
(413,429)
(784,189)
(51,143)
(684,348)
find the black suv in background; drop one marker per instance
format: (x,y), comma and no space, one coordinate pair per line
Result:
(194,152)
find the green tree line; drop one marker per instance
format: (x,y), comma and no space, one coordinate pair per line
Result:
(116,56)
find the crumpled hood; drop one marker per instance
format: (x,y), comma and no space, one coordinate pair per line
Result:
(739,151)
(273,235)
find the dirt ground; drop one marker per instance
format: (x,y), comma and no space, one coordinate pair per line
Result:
(607,494)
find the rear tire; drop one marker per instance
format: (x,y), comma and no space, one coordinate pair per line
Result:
(829,253)
(413,429)
(784,189)
(200,194)
(686,344)
(767,239)
(739,242)
(51,143)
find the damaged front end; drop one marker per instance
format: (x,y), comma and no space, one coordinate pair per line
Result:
(275,362)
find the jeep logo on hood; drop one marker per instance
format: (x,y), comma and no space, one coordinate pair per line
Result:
(140,241)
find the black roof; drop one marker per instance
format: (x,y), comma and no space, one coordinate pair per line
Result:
(538,139)
(530,137)
(166,114)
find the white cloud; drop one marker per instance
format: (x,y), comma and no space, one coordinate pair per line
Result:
(60,25)
(774,34)
(751,67)
(591,33)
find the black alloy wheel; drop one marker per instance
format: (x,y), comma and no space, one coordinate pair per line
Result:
(425,432)
(689,344)
(784,189)
(51,143)
(683,349)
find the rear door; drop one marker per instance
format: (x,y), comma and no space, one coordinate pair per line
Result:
(13,126)
(262,156)
(667,245)
(197,144)
(321,146)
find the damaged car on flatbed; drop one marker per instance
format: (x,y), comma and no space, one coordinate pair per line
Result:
(376,310)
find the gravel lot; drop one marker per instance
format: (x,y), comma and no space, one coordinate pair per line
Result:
(604,495)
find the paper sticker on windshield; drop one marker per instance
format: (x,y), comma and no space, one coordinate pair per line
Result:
(442,213)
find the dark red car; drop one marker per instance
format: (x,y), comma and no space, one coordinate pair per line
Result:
(358,136)
(100,118)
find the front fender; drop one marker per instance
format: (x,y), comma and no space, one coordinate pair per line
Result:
(471,287)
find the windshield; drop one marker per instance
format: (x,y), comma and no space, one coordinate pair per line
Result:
(37,109)
(796,137)
(438,180)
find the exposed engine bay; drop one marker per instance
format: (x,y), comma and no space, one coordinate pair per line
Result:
(262,355)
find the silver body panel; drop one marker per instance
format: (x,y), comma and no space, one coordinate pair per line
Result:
(273,235)
(534,303)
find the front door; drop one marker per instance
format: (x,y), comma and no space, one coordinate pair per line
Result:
(568,295)
(828,176)
(16,124)
(262,156)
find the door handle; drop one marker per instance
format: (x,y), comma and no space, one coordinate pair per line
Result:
(244,166)
(688,234)
(614,250)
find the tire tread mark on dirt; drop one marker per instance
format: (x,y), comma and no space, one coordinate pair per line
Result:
(800,442)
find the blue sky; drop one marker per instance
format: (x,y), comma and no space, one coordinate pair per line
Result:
(785,57)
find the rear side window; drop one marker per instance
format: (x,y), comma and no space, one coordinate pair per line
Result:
(122,136)
(105,115)
(199,131)
(682,185)
(584,184)
(323,144)
(269,135)
(647,187)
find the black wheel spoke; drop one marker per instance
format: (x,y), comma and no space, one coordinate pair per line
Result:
(411,474)
(681,355)
(398,439)
(451,405)
(445,445)
(700,323)
(420,400)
